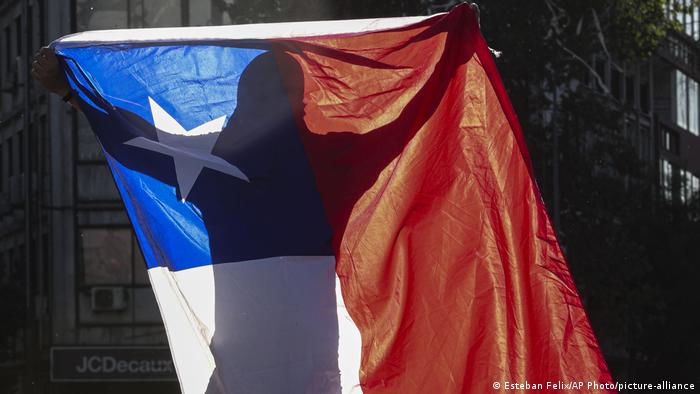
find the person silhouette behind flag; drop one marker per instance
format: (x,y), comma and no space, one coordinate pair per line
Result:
(382,156)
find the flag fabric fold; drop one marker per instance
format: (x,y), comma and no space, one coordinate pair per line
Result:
(334,206)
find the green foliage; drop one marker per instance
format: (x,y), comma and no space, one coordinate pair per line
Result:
(638,26)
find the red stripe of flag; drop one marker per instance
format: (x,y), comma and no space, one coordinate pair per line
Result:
(448,261)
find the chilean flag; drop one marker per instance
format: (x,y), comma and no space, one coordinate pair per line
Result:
(331,207)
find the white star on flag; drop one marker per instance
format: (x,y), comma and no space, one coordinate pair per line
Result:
(190,149)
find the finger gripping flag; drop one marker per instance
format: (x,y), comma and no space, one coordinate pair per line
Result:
(331,207)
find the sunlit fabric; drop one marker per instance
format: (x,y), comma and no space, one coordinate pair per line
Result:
(266,177)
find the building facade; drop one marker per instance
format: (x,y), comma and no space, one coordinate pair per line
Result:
(659,98)
(81,317)
(677,105)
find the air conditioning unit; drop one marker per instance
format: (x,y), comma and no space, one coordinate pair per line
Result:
(108,299)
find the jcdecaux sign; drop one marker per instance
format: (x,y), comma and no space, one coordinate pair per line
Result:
(71,364)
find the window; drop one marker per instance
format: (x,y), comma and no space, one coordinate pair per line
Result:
(20,151)
(680,50)
(686,102)
(160,13)
(616,83)
(110,257)
(201,13)
(670,141)
(686,14)
(666,172)
(18,35)
(691,186)
(644,151)
(681,99)
(101,14)
(30,30)
(95,183)
(693,106)
(114,14)
(10,157)
(42,23)
(630,92)
(88,147)
(681,14)
(8,55)
(12,282)
(644,100)
(44,147)
(696,23)
(106,255)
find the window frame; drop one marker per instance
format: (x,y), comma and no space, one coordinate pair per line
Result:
(686,114)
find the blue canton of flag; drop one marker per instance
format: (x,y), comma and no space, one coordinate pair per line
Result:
(217,155)
(224,205)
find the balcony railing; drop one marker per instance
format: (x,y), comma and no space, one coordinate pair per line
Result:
(682,51)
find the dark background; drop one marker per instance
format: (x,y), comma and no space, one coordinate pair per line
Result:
(604,90)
